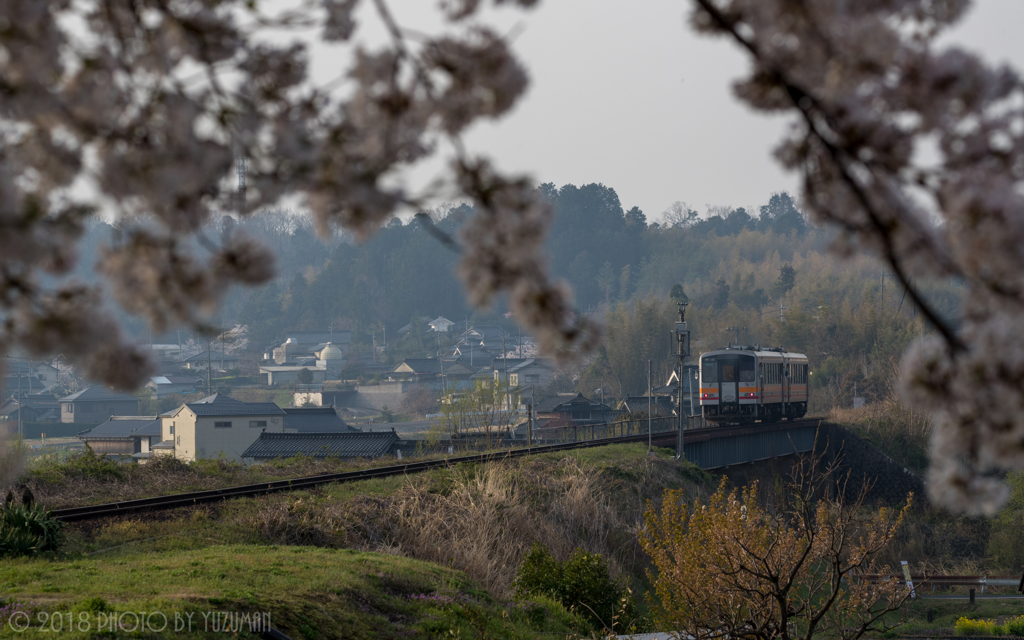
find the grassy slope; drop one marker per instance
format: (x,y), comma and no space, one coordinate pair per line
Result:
(308,592)
(479,519)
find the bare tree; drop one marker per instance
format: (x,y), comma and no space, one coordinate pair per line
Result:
(868,89)
(735,568)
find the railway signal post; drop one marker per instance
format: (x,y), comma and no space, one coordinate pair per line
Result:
(682,350)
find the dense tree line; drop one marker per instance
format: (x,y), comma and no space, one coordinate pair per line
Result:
(606,253)
(766,278)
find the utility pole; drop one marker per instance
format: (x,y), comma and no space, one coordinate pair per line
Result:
(504,369)
(682,350)
(737,330)
(781,310)
(240,169)
(21,406)
(209,367)
(529,424)
(444,385)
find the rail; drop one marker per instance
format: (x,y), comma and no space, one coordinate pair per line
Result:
(216,495)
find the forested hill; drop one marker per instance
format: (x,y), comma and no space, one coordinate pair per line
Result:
(605,252)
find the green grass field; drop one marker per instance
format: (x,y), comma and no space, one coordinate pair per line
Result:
(305,592)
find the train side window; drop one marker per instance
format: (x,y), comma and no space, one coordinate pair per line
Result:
(746,369)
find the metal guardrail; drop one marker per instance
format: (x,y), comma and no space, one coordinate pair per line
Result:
(923,580)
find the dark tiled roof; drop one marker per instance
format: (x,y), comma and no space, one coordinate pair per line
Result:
(221,405)
(98,394)
(33,401)
(556,403)
(214,355)
(367,444)
(315,420)
(121,427)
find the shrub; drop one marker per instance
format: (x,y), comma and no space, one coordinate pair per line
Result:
(539,574)
(84,464)
(28,530)
(1015,626)
(582,584)
(967,627)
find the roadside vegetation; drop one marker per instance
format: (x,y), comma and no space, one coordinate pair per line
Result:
(479,522)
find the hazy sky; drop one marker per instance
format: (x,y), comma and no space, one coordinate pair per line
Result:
(623,92)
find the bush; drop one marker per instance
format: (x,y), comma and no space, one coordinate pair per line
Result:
(968,627)
(1015,626)
(28,530)
(85,464)
(582,584)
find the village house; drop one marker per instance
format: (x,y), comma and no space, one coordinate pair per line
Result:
(23,385)
(524,372)
(425,369)
(567,409)
(440,324)
(164,386)
(96,404)
(43,407)
(124,436)
(303,347)
(328,365)
(43,375)
(218,360)
(216,426)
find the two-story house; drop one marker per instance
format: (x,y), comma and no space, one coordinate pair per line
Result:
(96,404)
(216,426)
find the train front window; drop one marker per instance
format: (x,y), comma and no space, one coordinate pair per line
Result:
(729,371)
(709,371)
(746,369)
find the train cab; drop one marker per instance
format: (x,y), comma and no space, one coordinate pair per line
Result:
(740,385)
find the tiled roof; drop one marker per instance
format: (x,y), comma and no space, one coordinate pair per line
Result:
(553,404)
(121,427)
(214,355)
(99,394)
(367,444)
(33,401)
(315,420)
(221,405)
(420,365)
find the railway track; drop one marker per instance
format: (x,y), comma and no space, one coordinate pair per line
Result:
(158,503)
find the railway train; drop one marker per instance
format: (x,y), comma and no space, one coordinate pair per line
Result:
(742,384)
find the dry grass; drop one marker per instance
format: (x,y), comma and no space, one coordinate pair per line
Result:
(83,479)
(483,519)
(899,431)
